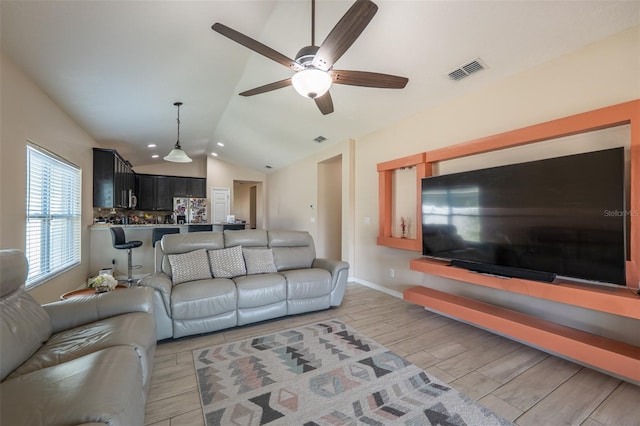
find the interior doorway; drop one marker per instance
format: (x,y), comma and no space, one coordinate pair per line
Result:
(247,203)
(329,209)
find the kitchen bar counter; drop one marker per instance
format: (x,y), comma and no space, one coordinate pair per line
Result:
(102,252)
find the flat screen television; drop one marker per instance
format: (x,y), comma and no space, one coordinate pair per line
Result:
(562,216)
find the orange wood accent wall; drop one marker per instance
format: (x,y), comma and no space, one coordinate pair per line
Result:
(615,115)
(385,197)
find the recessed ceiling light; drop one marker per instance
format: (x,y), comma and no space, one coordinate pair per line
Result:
(155,156)
(214,154)
(151,145)
(220,144)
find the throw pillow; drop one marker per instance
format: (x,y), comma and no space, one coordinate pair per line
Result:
(227,263)
(190,266)
(259,261)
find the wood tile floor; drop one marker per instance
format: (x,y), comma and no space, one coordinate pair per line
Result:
(522,384)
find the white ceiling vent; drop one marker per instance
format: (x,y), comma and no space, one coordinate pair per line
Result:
(467,69)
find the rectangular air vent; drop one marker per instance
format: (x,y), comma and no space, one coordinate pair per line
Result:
(467,69)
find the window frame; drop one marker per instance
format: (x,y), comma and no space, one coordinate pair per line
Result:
(59,204)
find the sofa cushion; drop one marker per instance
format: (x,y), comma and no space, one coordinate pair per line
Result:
(227,263)
(260,290)
(103,387)
(292,249)
(24,327)
(246,238)
(190,266)
(24,324)
(203,298)
(307,283)
(259,261)
(136,329)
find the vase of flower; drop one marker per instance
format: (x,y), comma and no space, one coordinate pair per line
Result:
(404,226)
(102,283)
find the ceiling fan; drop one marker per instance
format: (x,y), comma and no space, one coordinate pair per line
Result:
(314,64)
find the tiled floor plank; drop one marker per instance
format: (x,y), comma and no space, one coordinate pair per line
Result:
(573,401)
(517,382)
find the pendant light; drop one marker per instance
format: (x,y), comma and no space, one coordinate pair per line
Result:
(177,155)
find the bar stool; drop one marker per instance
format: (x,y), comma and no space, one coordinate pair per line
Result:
(159,232)
(120,243)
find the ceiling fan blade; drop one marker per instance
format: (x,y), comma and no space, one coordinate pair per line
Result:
(256,46)
(325,104)
(368,79)
(267,87)
(346,31)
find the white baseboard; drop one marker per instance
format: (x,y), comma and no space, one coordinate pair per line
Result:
(378,287)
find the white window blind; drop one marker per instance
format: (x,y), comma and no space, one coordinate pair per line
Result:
(53,215)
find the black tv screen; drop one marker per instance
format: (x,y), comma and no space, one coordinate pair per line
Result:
(562,216)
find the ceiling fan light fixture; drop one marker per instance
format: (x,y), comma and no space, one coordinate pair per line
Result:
(177,155)
(311,82)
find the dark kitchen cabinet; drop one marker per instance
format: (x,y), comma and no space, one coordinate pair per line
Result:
(164,193)
(197,187)
(154,192)
(146,192)
(113,179)
(189,187)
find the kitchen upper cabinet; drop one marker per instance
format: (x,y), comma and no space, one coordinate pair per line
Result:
(189,187)
(164,193)
(154,192)
(113,179)
(146,192)
(197,187)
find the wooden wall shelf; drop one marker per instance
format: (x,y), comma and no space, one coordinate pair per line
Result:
(613,356)
(618,301)
(610,355)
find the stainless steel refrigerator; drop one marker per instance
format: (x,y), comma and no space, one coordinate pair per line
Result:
(190,210)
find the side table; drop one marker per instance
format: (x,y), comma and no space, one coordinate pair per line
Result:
(90,291)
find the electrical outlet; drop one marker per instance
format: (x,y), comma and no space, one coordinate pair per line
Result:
(392,273)
(367,220)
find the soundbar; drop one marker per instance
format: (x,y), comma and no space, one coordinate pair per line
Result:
(505,271)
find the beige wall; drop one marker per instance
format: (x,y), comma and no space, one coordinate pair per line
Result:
(197,168)
(292,196)
(221,174)
(599,75)
(602,74)
(29,114)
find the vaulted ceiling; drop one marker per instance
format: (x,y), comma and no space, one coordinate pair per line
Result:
(117,67)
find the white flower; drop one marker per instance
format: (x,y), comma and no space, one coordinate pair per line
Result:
(103,280)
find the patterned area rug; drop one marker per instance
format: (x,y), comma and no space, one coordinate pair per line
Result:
(325,374)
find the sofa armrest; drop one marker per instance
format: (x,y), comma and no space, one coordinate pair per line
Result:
(78,311)
(162,283)
(339,271)
(333,266)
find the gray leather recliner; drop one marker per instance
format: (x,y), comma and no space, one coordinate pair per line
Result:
(81,360)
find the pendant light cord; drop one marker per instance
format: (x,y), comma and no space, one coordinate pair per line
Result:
(178,141)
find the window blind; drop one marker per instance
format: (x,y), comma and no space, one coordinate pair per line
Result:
(53,215)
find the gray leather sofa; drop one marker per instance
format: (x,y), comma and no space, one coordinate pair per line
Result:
(296,282)
(84,360)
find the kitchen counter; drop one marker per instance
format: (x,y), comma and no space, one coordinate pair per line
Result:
(102,252)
